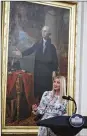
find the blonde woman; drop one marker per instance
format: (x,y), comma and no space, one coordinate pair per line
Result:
(52,104)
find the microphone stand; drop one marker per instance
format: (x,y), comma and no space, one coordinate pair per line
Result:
(74,104)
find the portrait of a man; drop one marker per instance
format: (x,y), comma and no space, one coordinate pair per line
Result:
(38,45)
(45,62)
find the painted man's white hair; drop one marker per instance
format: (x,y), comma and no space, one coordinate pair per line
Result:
(47,28)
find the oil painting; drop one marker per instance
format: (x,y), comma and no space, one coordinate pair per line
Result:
(38,45)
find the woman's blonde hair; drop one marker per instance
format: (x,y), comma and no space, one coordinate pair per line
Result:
(62,86)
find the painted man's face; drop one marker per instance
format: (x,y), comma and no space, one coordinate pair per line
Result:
(45,32)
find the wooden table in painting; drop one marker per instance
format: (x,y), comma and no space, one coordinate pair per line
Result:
(20,95)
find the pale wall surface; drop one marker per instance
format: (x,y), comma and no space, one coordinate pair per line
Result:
(81,61)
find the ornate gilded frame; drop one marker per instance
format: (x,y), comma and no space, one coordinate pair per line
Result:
(71,61)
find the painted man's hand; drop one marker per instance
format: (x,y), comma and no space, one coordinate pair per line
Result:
(17,53)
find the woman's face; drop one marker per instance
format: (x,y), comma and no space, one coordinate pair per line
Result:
(56,84)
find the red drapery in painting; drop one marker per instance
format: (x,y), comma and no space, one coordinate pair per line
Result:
(27,79)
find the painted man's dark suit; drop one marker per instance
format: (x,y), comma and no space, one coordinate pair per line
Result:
(45,64)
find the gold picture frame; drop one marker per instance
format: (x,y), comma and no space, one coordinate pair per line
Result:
(72,7)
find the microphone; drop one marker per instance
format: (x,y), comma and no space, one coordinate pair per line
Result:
(66,97)
(71,99)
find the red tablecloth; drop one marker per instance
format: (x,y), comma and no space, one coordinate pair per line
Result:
(27,79)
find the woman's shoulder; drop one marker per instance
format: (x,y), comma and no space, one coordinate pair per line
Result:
(47,93)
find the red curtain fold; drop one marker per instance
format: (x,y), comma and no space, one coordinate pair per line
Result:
(27,79)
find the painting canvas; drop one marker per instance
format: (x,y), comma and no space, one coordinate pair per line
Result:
(29,76)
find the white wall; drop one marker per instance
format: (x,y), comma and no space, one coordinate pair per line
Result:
(81,61)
